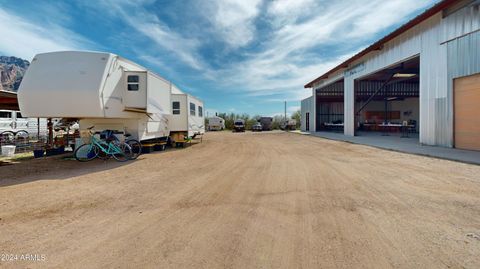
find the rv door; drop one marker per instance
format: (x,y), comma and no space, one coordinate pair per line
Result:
(136,90)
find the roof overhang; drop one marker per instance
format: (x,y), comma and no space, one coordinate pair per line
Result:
(8,100)
(379,44)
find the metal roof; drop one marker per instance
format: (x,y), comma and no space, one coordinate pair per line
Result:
(8,100)
(379,44)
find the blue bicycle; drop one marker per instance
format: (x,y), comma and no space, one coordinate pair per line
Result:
(120,151)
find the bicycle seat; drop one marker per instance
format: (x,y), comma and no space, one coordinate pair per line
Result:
(127,135)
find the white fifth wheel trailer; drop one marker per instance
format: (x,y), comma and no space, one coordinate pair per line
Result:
(187,115)
(99,89)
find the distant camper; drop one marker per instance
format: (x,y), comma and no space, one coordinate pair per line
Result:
(216,124)
(239,126)
(266,123)
(187,114)
(289,125)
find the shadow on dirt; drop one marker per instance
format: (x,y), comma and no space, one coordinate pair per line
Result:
(53,168)
(25,170)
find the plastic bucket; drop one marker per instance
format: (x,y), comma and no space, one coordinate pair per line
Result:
(8,151)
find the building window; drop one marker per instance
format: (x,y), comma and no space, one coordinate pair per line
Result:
(176,108)
(133,83)
(192,109)
(200,111)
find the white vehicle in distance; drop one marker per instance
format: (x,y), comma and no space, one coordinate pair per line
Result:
(216,124)
(239,125)
(12,123)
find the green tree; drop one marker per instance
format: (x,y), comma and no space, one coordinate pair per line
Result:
(277,121)
(297,116)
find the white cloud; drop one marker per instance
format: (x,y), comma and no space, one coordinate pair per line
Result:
(24,39)
(292,109)
(285,58)
(288,11)
(183,47)
(146,23)
(234,20)
(288,60)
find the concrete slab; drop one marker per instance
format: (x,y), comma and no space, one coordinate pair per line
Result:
(406,145)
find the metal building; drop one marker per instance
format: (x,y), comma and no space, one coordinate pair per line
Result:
(425,75)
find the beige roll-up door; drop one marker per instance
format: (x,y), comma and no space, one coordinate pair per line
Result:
(467,112)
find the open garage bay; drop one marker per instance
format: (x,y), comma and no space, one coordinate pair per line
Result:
(267,200)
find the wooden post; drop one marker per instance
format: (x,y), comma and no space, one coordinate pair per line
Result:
(38,129)
(68,133)
(50,132)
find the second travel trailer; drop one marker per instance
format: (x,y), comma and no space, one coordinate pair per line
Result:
(98,89)
(188,118)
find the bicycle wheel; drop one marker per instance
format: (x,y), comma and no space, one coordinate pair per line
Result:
(123,152)
(102,155)
(136,148)
(86,152)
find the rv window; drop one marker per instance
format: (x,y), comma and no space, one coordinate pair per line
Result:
(19,115)
(133,79)
(176,108)
(4,114)
(132,83)
(192,109)
(200,111)
(133,87)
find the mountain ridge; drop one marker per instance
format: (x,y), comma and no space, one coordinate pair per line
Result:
(12,70)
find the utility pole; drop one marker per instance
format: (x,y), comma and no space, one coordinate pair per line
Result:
(285,111)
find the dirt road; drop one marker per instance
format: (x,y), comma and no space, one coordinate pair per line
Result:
(248,200)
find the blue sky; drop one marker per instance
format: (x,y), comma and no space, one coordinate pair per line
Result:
(242,56)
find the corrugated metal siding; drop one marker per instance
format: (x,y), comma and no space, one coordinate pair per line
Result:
(433,86)
(463,60)
(333,78)
(427,40)
(307,105)
(463,56)
(349,106)
(463,21)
